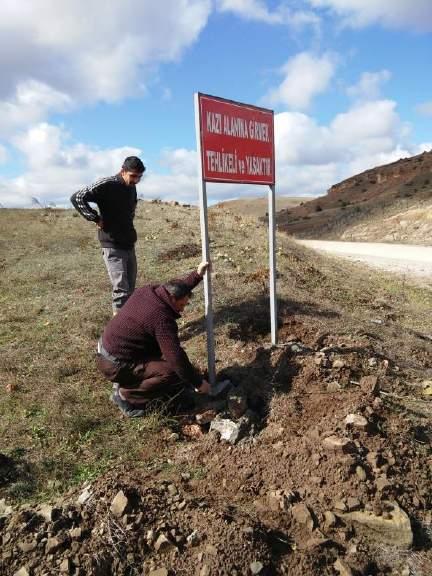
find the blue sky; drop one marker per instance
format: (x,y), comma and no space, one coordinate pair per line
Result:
(85,84)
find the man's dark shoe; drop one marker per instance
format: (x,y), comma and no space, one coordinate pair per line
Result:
(128,409)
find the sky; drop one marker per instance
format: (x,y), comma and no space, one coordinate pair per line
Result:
(85,84)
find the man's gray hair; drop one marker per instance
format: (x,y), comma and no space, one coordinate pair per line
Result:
(177,289)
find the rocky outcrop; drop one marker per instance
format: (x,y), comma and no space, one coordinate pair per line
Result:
(391,203)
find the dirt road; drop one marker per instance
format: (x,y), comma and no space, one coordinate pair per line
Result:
(401,258)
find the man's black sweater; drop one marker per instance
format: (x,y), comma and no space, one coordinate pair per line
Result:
(116,202)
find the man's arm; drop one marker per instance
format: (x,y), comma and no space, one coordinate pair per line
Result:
(81,199)
(195,277)
(167,336)
(136,202)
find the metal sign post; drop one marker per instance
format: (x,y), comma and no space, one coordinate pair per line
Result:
(235,144)
(272,263)
(208,308)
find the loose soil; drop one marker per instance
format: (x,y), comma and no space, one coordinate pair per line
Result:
(238,504)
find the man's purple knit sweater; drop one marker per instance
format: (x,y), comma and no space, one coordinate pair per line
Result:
(145,328)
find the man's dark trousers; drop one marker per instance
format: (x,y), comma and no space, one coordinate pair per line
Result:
(141,382)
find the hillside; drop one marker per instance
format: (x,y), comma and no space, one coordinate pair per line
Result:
(391,203)
(258,207)
(330,475)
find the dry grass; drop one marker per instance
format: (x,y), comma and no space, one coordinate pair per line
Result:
(257,207)
(56,422)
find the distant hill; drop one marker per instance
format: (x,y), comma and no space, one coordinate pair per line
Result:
(259,206)
(390,203)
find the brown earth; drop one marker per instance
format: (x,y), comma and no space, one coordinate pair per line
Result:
(332,474)
(391,203)
(276,498)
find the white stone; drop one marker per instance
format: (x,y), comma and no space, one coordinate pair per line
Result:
(256,567)
(162,544)
(356,420)
(343,568)
(338,444)
(394,528)
(85,495)
(5,510)
(119,504)
(228,430)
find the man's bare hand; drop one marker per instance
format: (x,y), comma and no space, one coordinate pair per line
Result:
(204,387)
(100,223)
(203,267)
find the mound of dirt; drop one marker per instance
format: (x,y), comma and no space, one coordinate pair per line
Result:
(337,440)
(182,251)
(131,524)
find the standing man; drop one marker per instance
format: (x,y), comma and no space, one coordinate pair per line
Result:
(140,351)
(116,199)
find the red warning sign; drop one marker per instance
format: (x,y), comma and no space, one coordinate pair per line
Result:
(237,141)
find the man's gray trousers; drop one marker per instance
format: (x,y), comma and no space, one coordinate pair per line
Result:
(122,270)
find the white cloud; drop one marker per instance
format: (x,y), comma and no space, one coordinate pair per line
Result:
(93,51)
(425,108)
(180,161)
(412,14)
(181,181)
(257,10)
(369,85)
(3,154)
(180,187)
(42,146)
(31,102)
(309,158)
(55,56)
(368,127)
(250,9)
(306,76)
(424,147)
(300,141)
(312,157)
(56,167)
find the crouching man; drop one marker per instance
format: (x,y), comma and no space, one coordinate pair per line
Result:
(140,351)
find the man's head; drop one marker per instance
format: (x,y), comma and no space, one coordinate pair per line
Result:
(132,170)
(180,294)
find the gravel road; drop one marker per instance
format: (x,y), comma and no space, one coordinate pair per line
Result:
(401,258)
